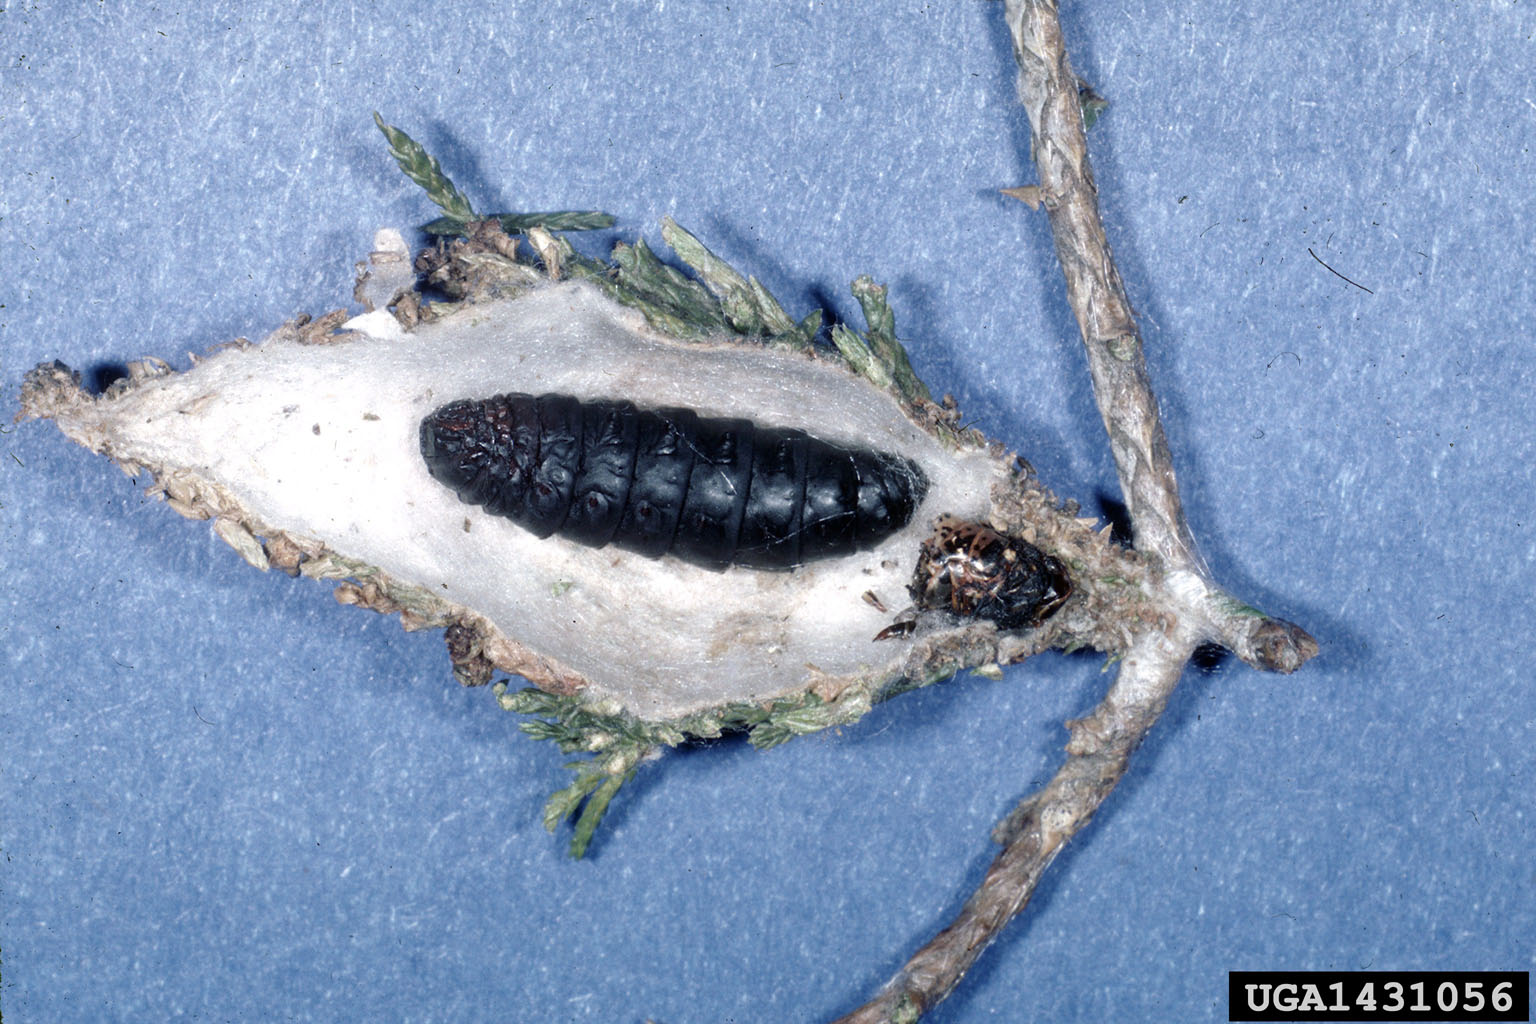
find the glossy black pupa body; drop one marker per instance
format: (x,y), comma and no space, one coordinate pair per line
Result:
(716,492)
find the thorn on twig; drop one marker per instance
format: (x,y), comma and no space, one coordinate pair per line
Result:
(1030,195)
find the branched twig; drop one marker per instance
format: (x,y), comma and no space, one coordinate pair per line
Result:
(1049,92)
(1196,610)
(1036,831)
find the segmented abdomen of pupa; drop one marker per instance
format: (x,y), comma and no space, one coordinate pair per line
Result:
(715,492)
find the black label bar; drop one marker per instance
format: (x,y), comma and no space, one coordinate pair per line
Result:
(1379,995)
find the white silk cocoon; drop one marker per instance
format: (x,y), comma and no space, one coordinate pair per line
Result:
(320,443)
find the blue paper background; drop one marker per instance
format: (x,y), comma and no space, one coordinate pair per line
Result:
(226,796)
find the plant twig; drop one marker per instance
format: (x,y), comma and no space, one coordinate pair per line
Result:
(1036,831)
(1049,92)
(1196,610)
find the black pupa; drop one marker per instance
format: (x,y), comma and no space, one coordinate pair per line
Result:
(716,492)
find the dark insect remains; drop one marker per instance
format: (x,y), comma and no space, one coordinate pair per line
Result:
(974,571)
(716,492)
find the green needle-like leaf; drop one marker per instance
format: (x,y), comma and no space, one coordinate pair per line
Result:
(592,813)
(563,802)
(737,299)
(882,339)
(563,220)
(520,223)
(422,168)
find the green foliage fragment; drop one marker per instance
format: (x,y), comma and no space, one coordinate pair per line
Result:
(776,322)
(586,799)
(723,299)
(562,220)
(520,223)
(877,356)
(1091,104)
(803,334)
(1232,606)
(564,802)
(882,339)
(422,168)
(671,300)
(861,359)
(1123,347)
(748,307)
(618,741)
(592,813)
(785,725)
(878,315)
(907,1011)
